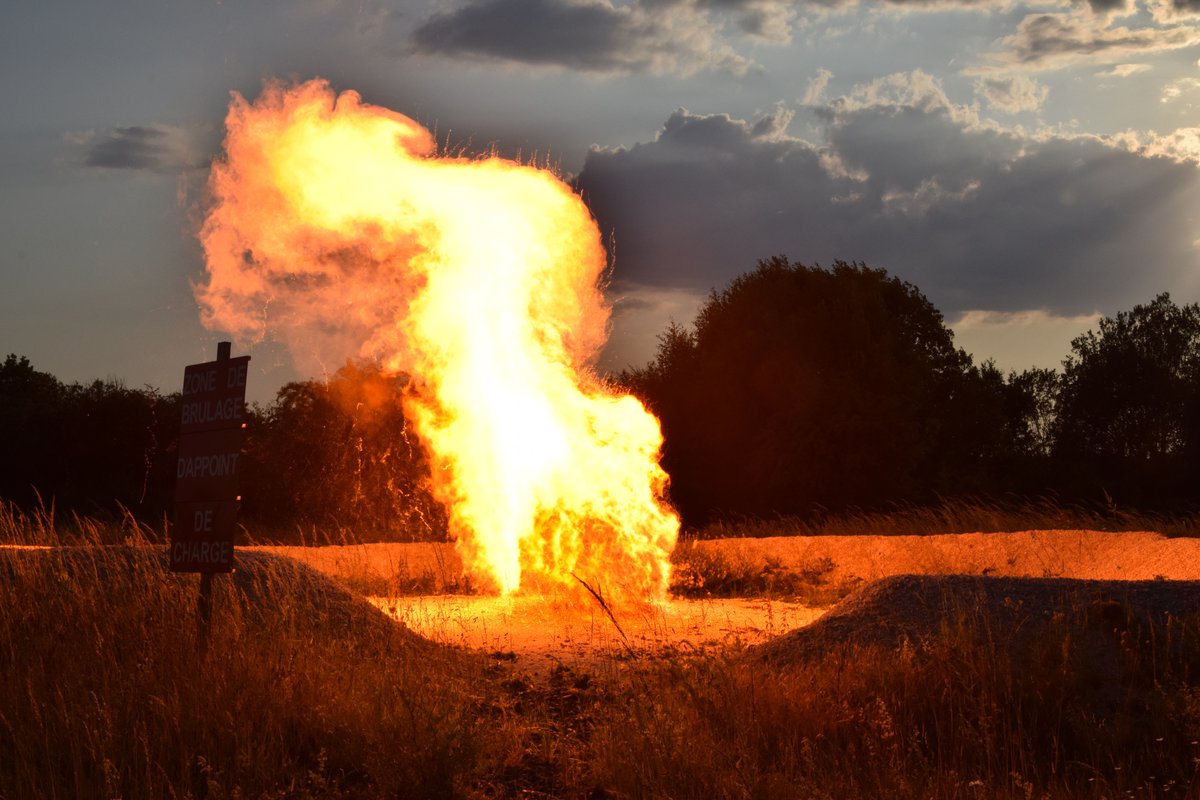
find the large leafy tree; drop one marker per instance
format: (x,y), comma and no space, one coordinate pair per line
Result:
(1130,389)
(1129,409)
(800,388)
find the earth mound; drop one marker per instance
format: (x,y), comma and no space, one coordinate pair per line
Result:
(265,588)
(1014,615)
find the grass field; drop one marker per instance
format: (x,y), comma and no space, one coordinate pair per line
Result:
(106,693)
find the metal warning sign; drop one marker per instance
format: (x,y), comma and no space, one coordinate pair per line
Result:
(212,423)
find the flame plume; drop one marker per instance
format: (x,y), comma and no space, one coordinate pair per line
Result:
(335,226)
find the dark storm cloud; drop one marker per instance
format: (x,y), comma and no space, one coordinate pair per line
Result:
(580,36)
(134,147)
(1179,9)
(976,216)
(586,35)
(684,37)
(1044,41)
(1108,6)
(763,19)
(137,147)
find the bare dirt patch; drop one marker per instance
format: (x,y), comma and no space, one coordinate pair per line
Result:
(541,635)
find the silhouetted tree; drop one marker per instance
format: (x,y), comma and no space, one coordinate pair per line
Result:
(997,434)
(1033,406)
(1130,402)
(800,387)
(339,454)
(119,443)
(31,431)
(98,448)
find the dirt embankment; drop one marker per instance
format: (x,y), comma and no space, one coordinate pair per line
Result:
(1093,555)
(263,586)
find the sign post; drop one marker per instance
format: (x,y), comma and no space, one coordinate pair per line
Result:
(212,424)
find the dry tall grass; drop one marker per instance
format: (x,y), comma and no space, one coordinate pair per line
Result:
(951,721)
(104,695)
(702,573)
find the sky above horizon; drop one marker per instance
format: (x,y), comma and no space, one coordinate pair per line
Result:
(1030,167)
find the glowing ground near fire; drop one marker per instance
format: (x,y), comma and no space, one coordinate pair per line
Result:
(539,634)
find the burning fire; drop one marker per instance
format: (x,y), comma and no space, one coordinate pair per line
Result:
(336,225)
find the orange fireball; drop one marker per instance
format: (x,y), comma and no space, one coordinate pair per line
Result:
(336,228)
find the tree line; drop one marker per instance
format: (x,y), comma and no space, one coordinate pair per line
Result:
(800,390)
(323,455)
(796,390)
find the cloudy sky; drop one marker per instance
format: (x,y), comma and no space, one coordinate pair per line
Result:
(1028,166)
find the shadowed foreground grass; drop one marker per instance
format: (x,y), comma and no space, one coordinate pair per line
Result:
(104,695)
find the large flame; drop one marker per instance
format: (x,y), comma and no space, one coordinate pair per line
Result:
(336,228)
